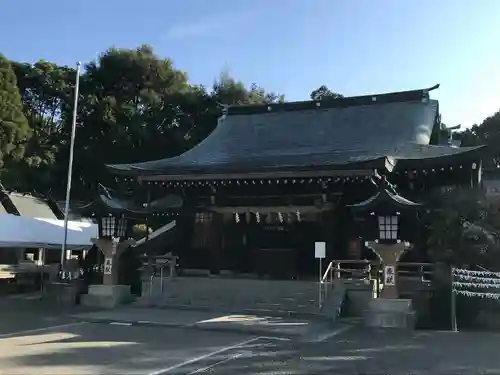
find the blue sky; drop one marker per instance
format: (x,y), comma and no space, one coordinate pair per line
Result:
(289,46)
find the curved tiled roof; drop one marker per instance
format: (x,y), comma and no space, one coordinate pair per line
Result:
(382,199)
(350,133)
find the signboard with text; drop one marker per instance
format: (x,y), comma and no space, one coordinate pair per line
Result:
(389,275)
(320,250)
(108,265)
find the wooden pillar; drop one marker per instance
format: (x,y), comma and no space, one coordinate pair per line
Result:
(389,254)
(216,243)
(112,251)
(326,220)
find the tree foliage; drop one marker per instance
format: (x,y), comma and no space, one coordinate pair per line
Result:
(464,227)
(487,133)
(323,92)
(14,127)
(133,106)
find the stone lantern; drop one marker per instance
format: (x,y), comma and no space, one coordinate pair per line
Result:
(390,221)
(112,241)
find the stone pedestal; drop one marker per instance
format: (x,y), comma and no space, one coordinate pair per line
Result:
(389,255)
(390,313)
(107,296)
(110,294)
(112,250)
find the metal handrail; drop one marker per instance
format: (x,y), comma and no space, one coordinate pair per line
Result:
(324,285)
(327,272)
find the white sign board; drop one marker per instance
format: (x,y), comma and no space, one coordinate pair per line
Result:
(320,250)
(389,275)
(108,266)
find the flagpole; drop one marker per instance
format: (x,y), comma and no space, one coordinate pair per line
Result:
(70,165)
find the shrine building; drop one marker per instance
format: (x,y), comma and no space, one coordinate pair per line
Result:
(271,180)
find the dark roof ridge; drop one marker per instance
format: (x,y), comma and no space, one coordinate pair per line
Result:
(370,99)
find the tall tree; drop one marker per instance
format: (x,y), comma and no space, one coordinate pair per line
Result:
(14,128)
(132,107)
(45,92)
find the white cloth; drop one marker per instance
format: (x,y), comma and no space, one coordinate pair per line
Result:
(20,231)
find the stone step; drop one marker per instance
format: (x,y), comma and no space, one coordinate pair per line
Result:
(236,294)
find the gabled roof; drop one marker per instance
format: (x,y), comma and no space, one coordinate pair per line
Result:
(371,131)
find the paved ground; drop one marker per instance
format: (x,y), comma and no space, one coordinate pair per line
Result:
(43,338)
(242,323)
(90,348)
(25,312)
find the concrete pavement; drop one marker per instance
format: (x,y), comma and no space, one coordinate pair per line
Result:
(86,348)
(26,312)
(378,352)
(239,323)
(89,348)
(42,338)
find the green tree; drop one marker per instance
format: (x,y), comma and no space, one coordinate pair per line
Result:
(14,128)
(463,228)
(133,107)
(45,92)
(323,92)
(227,90)
(487,133)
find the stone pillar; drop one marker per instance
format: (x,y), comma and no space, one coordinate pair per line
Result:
(111,250)
(389,310)
(110,294)
(389,255)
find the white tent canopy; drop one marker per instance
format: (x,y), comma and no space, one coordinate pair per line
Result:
(26,232)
